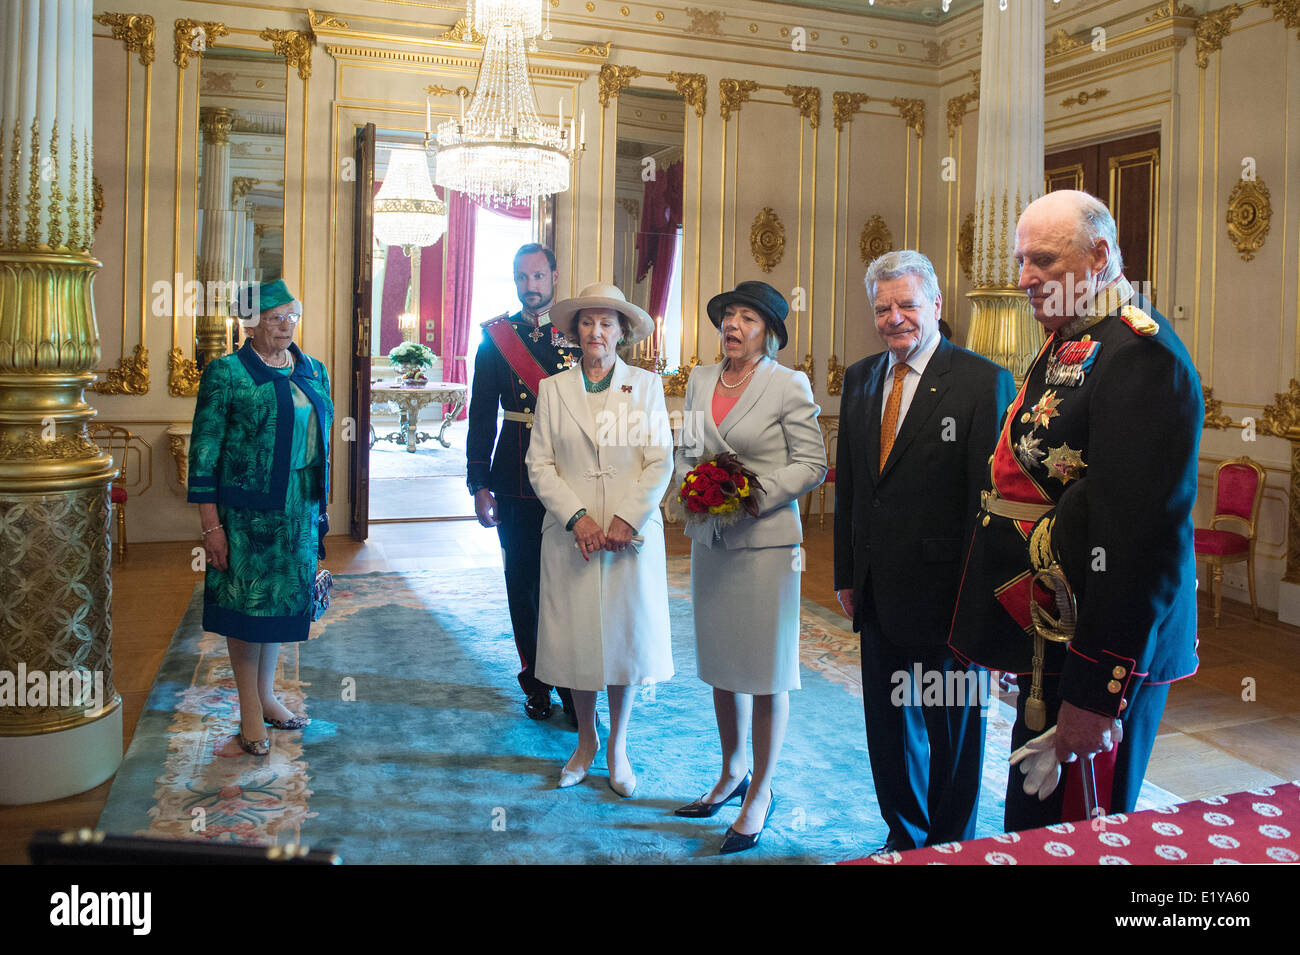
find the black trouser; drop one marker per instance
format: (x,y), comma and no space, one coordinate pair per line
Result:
(1146,703)
(925,759)
(520,532)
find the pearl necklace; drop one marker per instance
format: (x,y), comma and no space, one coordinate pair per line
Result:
(743,380)
(288,360)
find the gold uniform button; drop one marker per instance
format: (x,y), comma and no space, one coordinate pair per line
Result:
(1119,673)
(1024,418)
(523,394)
(985,522)
(559,364)
(1113,686)
(1086,338)
(529,426)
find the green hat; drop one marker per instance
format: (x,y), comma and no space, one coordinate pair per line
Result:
(257,297)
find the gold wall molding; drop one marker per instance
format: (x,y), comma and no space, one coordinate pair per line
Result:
(183,375)
(1215,417)
(187,31)
(966,246)
(1288,11)
(675,384)
(294,45)
(844,106)
(1249,214)
(1093,64)
(1282,418)
(97,202)
(131,377)
(913,113)
(732,94)
(1083,97)
(875,240)
(957,108)
(808,100)
(834,375)
(1211,28)
(767,239)
(178,446)
(614,78)
(705,22)
(1063,42)
(135,30)
(936,53)
(325,21)
(463,32)
(1171,8)
(597,49)
(693,88)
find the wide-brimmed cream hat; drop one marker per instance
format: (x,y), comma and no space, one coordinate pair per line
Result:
(564,314)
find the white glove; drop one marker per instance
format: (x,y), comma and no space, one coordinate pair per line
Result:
(1037,760)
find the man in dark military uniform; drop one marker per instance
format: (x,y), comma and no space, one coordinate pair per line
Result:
(516,353)
(1113,397)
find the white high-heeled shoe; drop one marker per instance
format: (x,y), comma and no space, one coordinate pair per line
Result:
(625,786)
(573,776)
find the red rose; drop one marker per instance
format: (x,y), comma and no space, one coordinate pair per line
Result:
(696,506)
(712,496)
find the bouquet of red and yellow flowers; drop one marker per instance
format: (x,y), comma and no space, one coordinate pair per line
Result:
(720,489)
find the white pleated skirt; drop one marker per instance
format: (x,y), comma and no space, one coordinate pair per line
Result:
(746,604)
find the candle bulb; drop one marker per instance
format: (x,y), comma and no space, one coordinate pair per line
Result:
(561,123)
(582,128)
(428,114)
(462,108)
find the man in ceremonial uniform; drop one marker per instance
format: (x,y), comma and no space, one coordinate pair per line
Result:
(517,352)
(1112,397)
(917,424)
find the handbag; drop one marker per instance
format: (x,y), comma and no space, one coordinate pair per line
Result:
(320,593)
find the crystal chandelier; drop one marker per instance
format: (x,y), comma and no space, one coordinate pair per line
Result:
(500,151)
(407,210)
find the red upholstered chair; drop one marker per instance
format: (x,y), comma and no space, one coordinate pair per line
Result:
(1238,490)
(123,445)
(830,425)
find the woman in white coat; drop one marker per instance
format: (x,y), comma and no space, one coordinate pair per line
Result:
(745,577)
(600,460)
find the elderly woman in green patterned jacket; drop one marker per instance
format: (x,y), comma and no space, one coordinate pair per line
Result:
(259,471)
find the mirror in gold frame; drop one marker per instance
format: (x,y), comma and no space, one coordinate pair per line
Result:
(648,215)
(239,202)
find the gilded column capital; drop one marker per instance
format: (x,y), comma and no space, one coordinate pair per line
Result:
(913,113)
(1211,28)
(192,37)
(694,89)
(732,94)
(215,122)
(808,100)
(844,105)
(294,45)
(614,78)
(240,186)
(957,108)
(135,30)
(1282,417)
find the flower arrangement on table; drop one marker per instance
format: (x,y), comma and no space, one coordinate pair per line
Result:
(720,491)
(412,358)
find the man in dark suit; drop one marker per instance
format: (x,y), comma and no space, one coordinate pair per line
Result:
(917,424)
(516,353)
(1112,398)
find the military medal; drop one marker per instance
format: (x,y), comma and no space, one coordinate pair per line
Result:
(1067,366)
(1064,463)
(1045,410)
(1028,450)
(535,334)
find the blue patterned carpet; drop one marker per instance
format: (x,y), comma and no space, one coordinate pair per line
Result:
(419,751)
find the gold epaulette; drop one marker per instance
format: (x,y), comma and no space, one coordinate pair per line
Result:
(1138,320)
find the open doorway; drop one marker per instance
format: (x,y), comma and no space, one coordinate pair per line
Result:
(425,302)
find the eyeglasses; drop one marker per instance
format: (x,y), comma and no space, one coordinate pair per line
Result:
(289,318)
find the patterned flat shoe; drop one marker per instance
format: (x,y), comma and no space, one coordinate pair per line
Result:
(292,723)
(253,747)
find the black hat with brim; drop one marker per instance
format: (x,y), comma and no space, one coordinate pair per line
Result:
(759,296)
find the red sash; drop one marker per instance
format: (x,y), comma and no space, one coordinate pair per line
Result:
(1013,484)
(516,353)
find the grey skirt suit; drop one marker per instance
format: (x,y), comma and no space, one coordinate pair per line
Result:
(745,577)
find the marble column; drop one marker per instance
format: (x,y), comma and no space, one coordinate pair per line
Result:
(216,245)
(1009,176)
(60,716)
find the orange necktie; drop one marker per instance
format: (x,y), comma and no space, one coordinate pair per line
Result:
(889,424)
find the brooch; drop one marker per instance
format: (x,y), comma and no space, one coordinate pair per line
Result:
(628,389)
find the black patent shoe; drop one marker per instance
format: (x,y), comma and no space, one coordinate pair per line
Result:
(735,841)
(699,809)
(538,705)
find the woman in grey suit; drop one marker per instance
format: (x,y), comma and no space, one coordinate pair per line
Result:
(745,577)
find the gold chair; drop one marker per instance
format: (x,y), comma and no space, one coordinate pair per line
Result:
(123,445)
(830,425)
(1238,490)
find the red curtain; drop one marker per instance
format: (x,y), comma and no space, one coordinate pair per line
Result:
(461,230)
(656,243)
